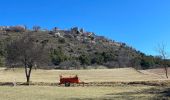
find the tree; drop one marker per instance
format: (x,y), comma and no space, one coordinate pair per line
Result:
(161,49)
(108,56)
(97,58)
(85,59)
(57,56)
(27,51)
(135,62)
(147,62)
(2,53)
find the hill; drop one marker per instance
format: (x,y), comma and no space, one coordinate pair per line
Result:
(77,49)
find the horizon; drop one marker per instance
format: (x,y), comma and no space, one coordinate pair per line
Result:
(140,24)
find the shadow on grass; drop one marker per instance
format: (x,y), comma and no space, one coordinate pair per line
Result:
(156,93)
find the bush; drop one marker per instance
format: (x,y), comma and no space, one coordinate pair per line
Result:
(2,49)
(85,59)
(61,40)
(147,62)
(97,59)
(57,56)
(2,53)
(2,61)
(108,56)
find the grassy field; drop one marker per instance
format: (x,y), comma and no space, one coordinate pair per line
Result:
(99,75)
(78,93)
(117,92)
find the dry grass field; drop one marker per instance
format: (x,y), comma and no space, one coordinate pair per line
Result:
(76,93)
(93,75)
(116,92)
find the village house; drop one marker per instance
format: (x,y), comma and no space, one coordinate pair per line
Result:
(1,28)
(13,28)
(82,30)
(58,34)
(117,44)
(76,30)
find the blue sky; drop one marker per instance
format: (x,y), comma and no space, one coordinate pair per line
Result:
(141,24)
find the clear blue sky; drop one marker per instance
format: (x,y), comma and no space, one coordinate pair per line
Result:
(141,24)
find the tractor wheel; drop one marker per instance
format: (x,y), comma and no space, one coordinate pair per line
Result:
(67,84)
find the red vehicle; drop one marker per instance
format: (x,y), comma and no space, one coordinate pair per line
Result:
(68,80)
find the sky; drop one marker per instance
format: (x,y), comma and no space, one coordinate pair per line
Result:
(142,24)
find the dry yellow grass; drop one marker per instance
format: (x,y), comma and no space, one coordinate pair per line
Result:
(93,75)
(117,92)
(63,93)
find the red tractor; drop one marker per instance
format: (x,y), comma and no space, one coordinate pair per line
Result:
(68,80)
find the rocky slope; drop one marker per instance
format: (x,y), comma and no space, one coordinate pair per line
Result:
(76,48)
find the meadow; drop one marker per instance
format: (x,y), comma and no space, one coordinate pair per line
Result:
(92,75)
(58,93)
(112,92)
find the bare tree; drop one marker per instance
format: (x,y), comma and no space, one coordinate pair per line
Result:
(161,49)
(27,51)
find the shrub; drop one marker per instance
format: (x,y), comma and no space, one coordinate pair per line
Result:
(84,59)
(108,56)
(147,62)
(97,59)
(61,40)
(2,62)
(57,56)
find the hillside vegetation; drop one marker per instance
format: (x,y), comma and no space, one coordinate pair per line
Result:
(78,49)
